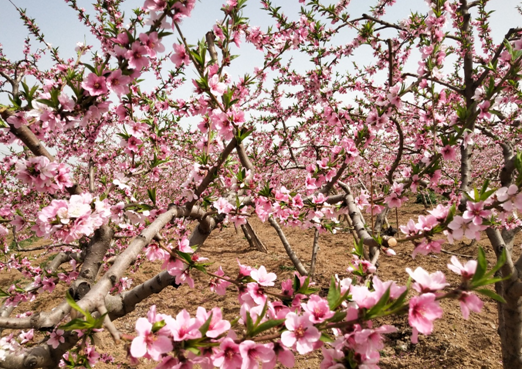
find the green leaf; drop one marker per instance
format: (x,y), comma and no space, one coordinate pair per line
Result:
(77,324)
(482,264)
(75,306)
(297,283)
(249,324)
(400,301)
(338,316)
(262,315)
(476,194)
(325,338)
(185,256)
(359,248)
(492,295)
(47,102)
(90,67)
(194,350)
(486,281)
(152,195)
(267,325)
(204,328)
(3,293)
(376,309)
(500,262)
(158,325)
(304,287)
(333,294)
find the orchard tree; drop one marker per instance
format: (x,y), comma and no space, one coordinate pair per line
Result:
(108,171)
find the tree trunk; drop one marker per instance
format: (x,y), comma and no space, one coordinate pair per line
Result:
(510,328)
(510,313)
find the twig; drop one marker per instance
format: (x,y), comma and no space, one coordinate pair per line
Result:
(295,259)
(315,251)
(456,254)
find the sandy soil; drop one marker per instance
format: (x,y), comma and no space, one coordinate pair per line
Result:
(455,343)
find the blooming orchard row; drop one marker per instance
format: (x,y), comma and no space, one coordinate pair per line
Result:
(303,145)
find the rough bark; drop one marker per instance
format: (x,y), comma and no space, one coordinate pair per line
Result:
(510,313)
(315,251)
(358,225)
(96,250)
(291,254)
(252,238)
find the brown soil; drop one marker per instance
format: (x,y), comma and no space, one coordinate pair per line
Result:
(455,343)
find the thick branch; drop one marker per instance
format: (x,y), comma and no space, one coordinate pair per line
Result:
(398,158)
(96,250)
(358,223)
(293,256)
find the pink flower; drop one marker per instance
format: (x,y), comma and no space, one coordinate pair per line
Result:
(48,284)
(332,359)
(467,271)
(262,277)
(461,227)
(91,354)
(184,246)
(284,355)
(244,270)
(155,4)
(440,212)
(427,282)
(508,196)
(152,43)
(228,355)
(216,87)
(252,353)
(426,223)
(318,309)
(183,327)
(223,206)
(180,56)
(367,341)
(363,297)
(154,252)
(118,82)
(95,85)
(218,285)
(475,212)
(26,336)
(150,343)
(448,153)
(410,228)
(380,288)
(394,201)
(217,325)
(423,311)
(137,56)
(256,293)
(469,301)
(18,120)
(56,338)
(425,247)
(301,333)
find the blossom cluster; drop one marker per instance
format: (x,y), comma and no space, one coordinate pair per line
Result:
(69,220)
(300,322)
(44,175)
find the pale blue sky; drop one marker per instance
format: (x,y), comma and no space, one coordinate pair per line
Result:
(61,27)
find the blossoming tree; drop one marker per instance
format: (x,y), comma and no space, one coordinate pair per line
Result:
(106,170)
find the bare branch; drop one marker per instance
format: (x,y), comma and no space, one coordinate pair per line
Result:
(293,256)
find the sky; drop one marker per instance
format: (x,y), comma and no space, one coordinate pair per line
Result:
(61,28)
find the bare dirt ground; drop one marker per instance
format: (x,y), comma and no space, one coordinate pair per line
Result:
(455,343)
